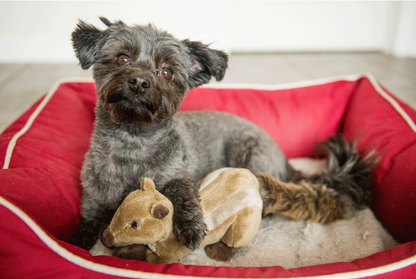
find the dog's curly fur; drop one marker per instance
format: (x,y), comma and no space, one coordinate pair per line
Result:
(142,75)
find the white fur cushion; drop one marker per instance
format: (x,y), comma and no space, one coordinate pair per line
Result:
(281,242)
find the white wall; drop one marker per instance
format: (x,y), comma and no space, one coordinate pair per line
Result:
(40,31)
(403,37)
(308,26)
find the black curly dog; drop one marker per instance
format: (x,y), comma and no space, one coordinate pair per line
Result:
(142,74)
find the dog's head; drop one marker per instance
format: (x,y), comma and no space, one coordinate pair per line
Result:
(142,73)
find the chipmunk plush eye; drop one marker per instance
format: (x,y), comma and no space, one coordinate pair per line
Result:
(136,224)
(166,73)
(123,59)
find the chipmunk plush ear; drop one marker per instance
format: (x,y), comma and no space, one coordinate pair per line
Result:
(206,63)
(146,184)
(160,211)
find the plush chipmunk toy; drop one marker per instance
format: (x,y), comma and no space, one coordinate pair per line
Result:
(142,227)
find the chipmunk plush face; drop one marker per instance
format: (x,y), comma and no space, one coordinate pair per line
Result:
(144,217)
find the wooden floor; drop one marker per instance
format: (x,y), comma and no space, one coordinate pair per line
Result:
(22,84)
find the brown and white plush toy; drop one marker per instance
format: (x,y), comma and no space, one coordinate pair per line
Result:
(142,227)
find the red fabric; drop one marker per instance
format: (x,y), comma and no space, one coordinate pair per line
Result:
(371,119)
(24,255)
(43,177)
(296,118)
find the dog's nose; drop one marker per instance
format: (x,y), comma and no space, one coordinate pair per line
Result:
(138,84)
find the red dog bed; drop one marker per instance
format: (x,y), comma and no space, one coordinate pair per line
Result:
(42,154)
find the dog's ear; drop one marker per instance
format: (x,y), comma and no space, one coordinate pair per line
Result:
(85,40)
(206,63)
(109,23)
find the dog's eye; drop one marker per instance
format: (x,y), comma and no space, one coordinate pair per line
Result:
(134,225)
(166,73)
(123,59)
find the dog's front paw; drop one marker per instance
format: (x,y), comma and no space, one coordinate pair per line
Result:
(188,219)
(85,237)
(191,233)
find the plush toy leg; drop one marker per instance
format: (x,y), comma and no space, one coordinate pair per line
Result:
(220,251)
(303,201)
(243,230)
(131,252)
(239,233)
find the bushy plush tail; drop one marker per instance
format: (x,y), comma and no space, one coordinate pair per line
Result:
(348,172)
(335,193)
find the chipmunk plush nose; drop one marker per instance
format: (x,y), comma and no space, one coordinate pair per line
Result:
(138,84)
(106,237)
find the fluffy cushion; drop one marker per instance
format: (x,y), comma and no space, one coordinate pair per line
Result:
(293,244)
(43,151)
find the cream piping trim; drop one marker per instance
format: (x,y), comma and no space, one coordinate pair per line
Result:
(34,115)
(280,86)
(355,77)
(54,246)
(392,102)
